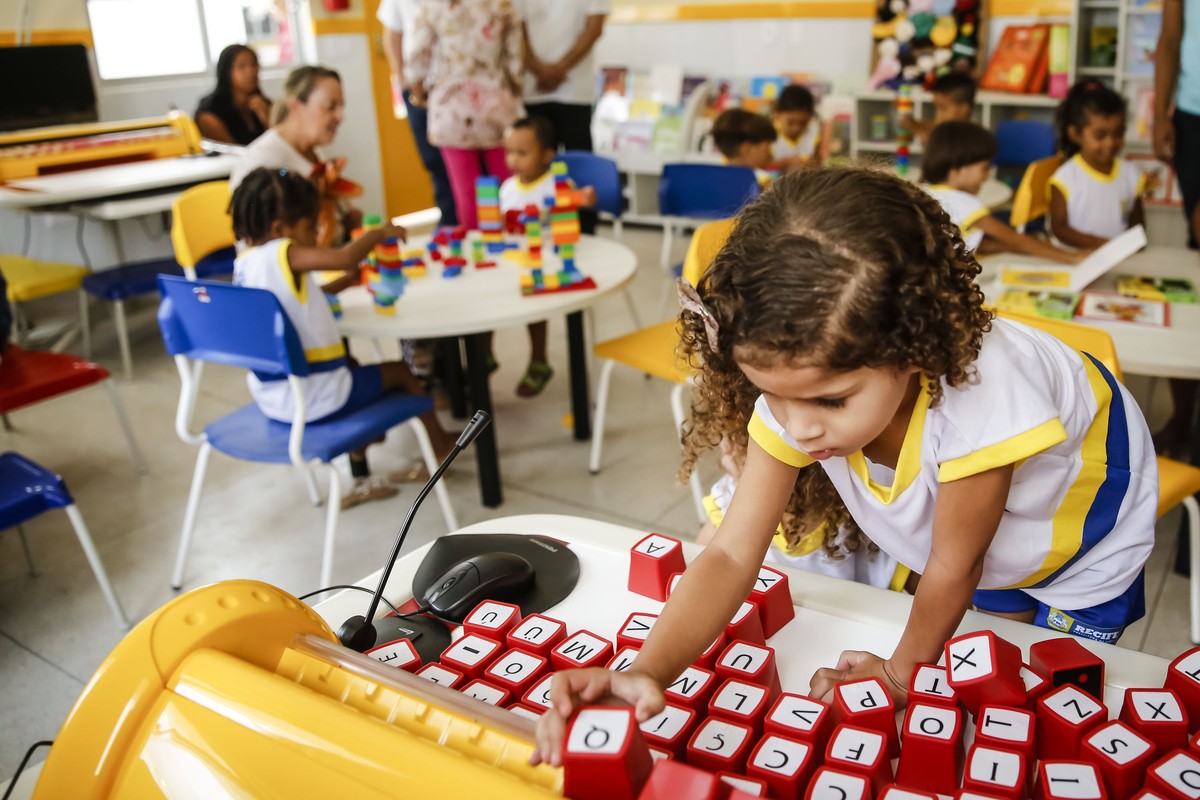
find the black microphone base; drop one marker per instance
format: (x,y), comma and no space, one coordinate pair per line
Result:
(429,636)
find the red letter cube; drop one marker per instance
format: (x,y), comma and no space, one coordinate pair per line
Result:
(801,718)
(1158,715)
(1077,780)
(622,660)
(1064,660)
(537,634)
(539,695)
(866,704)
(670,729)
(985,669)
(746,625)
(930,684)
(529,712)
(784,764)
(470,655)
(895,792)
(516,671)
(719,744)
(671,780)
(740,787)
(931,751)
(1175,777)
(749,662)
(1065,716)
(692,688)
(861,752)
(834,784)
(583,649)
(741,702)
(1009,729)
(604,755)
(774,600)
(651,562)
(400,654)
(440,675)
(487,693)
(1035,686)
(492,619)
(1183,678)
(996,772)
(1122,754)
(635,629)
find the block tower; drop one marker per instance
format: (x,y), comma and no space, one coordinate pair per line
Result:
(564,233)
(904,108)
(487,204)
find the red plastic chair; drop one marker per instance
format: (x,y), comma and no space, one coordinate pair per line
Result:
(28,377)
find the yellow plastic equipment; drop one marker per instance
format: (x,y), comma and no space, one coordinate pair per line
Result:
(201,224)
(1032,199)
(29,279)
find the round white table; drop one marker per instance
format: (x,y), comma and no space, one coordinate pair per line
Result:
(483,300)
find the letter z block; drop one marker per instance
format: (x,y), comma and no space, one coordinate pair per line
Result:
(985,669)
(785,765)
(1183,678)
(931,748)
(774,600)
(1069,780)
(1122,754)
(1065,717)
(1158,715)
(866,704)
(652,561)
(604,755)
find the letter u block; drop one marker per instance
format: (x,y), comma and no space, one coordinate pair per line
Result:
(931,751)
(985,669)
(1122,754)
(753,663)
(492,619)
(604,755)
(652,561)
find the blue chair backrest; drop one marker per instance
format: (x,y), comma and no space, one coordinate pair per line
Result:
(1020,142)
(707,191)
(589,169)
(233,325)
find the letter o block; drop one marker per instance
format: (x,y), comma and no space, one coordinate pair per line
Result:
(492,619)
(985,669)
(516,671)
(834,784)
(1175,777)
(1069,780)
(1158,715)
(931,751)
(866,704)
(720,745)
(784,764)
(800,718)
(774,600)
(671,780)
(652,561)
(1122,755)
(995,772)
(1065,717)
(1183,678)
(537,634)
(604,755)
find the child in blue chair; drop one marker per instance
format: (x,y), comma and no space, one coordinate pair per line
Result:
(746,139)
(275,214)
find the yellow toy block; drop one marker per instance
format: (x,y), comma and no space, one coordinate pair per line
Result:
(550,280)
(526,280)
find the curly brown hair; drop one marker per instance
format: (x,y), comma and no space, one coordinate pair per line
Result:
(843,268)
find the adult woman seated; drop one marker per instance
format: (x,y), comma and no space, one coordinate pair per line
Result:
(237,112)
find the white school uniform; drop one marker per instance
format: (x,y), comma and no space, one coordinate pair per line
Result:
(1099,204)
(805,146)
(515,194)
(965,210)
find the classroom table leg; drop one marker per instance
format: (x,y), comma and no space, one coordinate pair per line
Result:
(486,455)
(577,354)
(450,371)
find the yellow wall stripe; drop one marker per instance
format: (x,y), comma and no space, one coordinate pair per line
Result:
(51,36)
(339,25)
(640,11)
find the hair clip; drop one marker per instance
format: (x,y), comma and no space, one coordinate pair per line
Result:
(283,172)
(690,300)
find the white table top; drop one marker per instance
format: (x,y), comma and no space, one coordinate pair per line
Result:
(646,162)
(1169,352)
(483,300)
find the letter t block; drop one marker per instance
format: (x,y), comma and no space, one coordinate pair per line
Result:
(652,562)
(604,755)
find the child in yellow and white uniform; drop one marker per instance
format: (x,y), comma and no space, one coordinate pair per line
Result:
(798,127)
(746,139)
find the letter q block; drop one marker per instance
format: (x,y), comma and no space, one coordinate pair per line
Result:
(604,755)
(652,561)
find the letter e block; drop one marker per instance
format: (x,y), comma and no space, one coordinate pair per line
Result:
(400,654)
(652,561)
(1122,755)
(866,704)
(1064,660)
(1175,777)
(692,689)
(671,780)
(1183,678)
(861,752)
(931,751)
(1065,716)
(516,671)
(719,744)
(931,685)
(774,600)
(995,772)
(750,662)
(492,619)
(580,650)
(537,634)
(470,655)
(985,669)
(670,729)
(604,755)
(741,702)
(635,629)
(1069,780)
(784,764)
(1158,715)
(800,718)
(834,784)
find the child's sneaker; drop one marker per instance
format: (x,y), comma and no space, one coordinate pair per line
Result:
(365,490)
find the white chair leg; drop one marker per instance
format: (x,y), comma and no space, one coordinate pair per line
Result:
(1193,519)
(139,460)
(118,310)
(189,515)
(618,228)
(601,410)
(331,521)
(378,349)
(85,326)
(28,551)
(93,557)
(667,246)
(628,294)
(431,464)
(310,483)
(679,415)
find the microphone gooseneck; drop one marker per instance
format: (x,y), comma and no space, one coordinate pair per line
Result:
(358,632)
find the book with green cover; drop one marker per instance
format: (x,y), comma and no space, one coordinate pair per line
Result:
(1151,287)
(1055,305)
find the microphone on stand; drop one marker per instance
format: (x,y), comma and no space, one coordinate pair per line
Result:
(358,632)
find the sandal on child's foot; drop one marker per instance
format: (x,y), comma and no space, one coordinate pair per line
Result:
(365,490)
(535,379)
(414,473)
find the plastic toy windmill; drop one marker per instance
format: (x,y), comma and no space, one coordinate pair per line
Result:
(904,108)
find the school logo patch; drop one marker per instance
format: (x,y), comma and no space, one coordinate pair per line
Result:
(1059,621)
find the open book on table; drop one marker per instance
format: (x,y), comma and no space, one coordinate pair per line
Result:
(1077,278)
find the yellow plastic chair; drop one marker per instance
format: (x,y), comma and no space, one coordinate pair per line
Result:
(202,230)
(29,279)
(1032,198)
(652,350)
(1177,482)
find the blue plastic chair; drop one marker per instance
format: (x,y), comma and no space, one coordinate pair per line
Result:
(700,193)
(589,169)
(121,283)
(1019,143)
(28,490)
(242,327)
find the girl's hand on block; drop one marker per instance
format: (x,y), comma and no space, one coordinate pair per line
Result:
(853,665)
(391,231)
(578,687)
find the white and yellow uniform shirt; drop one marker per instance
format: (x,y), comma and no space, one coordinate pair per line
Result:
(327,386)
(1079,521)
(515,194)
(965,210)
(805,146)
(1099,204)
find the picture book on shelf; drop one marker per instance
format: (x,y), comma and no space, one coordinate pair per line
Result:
(1075,279)
(1153,287)
(1141,40)
(1019,62)
(1055,305)
(1107,307)
(1102,46)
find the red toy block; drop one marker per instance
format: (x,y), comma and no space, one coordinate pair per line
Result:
(894,792)
(692,689)
(470,655)
(1146,794)
(671,780)
(537,634)
(750,662)
(737,787)
(784,764)
(1064,718)
(1009,729)
(985,669)
(487,693)
(658,754)
(1194,744)
(995,772)
(834,784)
(652,561)
(1158,715)
(604,755)
(1068,780)
(1122,755)
(930,684)
(529,712)
(442,676)
(670,729)
(746,625)
(963,794)
(931,748)
(1036,685)
(774,600)
(801,718)
(861,752)
(741,702)
(708,659)
(400,654)
(1183,678)
(1064,660)
(516,671)
(719,744)
(539,695)
(580,650)
(622,660)
(635,629)
(1176,776)
(492,619)
(866,704)
(672,582)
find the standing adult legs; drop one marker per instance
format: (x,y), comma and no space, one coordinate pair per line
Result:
(431,157)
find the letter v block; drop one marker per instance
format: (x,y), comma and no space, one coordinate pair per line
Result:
(1183,678)
(1065,717)
(774,600)
(635,629)
(866,704)
(985,669)
(652,561)
(1122,754)
(604,755)
(581,650)
(1158,715)
(801,718)
(931,748)
(1176,776)
(1069,780)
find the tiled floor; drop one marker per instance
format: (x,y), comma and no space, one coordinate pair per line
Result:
(255,522)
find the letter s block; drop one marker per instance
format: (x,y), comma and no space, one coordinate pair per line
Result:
(1122,755)
(652,561)
(604,755)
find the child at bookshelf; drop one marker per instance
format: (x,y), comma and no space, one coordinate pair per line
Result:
(746,139)
(1095,194)
(957,161)
(798,128)
(953,100)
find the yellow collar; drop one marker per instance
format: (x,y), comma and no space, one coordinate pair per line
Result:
(908,464)
(525,187)
(1097,174)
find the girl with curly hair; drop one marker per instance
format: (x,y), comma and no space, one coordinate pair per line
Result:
(842,325)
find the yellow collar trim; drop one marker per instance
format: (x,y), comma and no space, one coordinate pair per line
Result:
(525,187)
(1097,174)
(790,142)
(908,465)
(289,277)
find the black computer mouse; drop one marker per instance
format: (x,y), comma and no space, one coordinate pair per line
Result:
(488,576)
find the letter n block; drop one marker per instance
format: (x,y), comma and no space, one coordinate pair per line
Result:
(931,748)
(995,772)
(581,650)
(861,752)
(1065,717)
(1158,715)
(516,671)
(800,718)
(1175,777)
(537,634)
(604,755)
(774,600)
(635,629)
(866,704)
(670,729)
(1009,729)
(1183,678)
(741,702)
(784,764)
(492,619)
(1122,754)
(692,689)
(720,745)
(985,669)
(470,655)
(671,780)
(931,685)
(652,561)
(834,784)
(400,654)
(753,663)
(1069,780)
(1064,660)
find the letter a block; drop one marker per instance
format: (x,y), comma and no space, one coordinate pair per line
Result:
(1009,729)
(1065,717)
(604,755)
(985,669)
(1122,754)
(931,751)
(930,684)
(670,729)
(784,764)
(635,629)
(719,744)
(834,784)
(652,561)
(1158,715)
(1069,780)
(400,654)
(470,655)
(1183,678)
(860,752)
(583,649)
(537,634)
(866,704)
(801,718)
(671,780)
(745,661)
(1175,777)
(774,600)
(1065,660)
(995,772)
(492,619)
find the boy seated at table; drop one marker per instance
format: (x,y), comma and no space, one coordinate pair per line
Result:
(953,101)
(746,139)
(799,129)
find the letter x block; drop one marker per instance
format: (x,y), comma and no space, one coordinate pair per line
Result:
(1158,715)
(400,654)
(774,600)
(834,784)
(1009,729)
(720,745)
(583,649)
(800,718)
(995,772)
(1122,754)
(1065,717)
(931,685)
(931,752)
(635,629)
(1183,678)
(652,561)
(752,663)
(1064,660)
(492,619)
(784,764)
(866,704)
(1175,777)
(746,625)
(516,671)
(860,752)
(670,729)
(1069,780)
(741,702)
(985,669)
(692,689)
(537,634)
(604,755)
(470,655)
(671,780)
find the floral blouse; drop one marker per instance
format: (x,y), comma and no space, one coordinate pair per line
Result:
(480,65)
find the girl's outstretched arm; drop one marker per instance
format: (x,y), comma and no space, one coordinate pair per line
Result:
(346,257)
(965,520)
(1011,240)
(1061,224)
